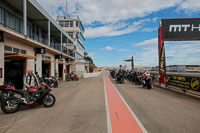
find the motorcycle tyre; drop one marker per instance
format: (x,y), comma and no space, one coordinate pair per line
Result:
(3,102)
(148,85)
(54,100)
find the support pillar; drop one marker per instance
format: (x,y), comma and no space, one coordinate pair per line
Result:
(64,69)
(61,42)
(2,62)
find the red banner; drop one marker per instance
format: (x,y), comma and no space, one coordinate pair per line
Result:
(161,54)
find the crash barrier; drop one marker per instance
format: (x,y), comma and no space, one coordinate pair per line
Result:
(91,75)
(184,80)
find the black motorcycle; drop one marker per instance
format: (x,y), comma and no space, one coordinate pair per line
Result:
(138,78)
(120,79)
(50,81)
(12,99)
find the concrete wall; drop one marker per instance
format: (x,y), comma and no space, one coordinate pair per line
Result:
(2,62)
(31,64)
(91,75)
(9,41)
(19,44)
(80,67)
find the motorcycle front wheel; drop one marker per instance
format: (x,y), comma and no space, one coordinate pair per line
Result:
(149,86)
(77,79)
(49,100)
(56,84)
(10,105)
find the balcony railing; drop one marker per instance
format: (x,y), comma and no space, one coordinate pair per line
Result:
(69,17)
(34,32)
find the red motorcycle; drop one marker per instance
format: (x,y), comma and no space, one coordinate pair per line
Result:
(72,77)
(147,82)
(12,99)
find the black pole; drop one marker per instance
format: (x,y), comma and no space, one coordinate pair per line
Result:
(132,63)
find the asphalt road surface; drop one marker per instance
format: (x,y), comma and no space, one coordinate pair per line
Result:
(162,111)
(80,108)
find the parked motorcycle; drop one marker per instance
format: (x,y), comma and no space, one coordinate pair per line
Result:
(12,99)
(138,78)
(71,77)
(52,82)
(147,82)
(112,73)
(120,79)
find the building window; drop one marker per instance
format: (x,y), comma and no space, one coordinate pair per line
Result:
(33,31)
(78,56)
(17,24)
(16,50)
(70,34)
(21,27)
(44,37)
(29,30)
(1,10)
(77,24)
(80,47)
(61,23)
(8,48)
(2,16)
(66,23)
(46,57)
(37,33)
(23,51)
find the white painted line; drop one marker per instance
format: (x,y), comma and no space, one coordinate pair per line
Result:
(109,127)
(133,114)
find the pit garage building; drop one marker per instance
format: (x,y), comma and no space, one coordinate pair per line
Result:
(31,39)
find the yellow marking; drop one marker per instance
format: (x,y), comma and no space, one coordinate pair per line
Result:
(195,84)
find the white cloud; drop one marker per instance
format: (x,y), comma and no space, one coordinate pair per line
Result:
(155,19)
(108,48)
(177,53)
(111,12)
(190,6)
(149,29)
(153,41)
(123,50)
(118,28)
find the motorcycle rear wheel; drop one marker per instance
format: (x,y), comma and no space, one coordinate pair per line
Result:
(7,108)
(49,100)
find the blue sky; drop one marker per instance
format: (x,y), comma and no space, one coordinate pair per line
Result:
(119,29)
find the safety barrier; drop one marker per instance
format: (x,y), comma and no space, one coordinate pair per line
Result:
(189,81)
